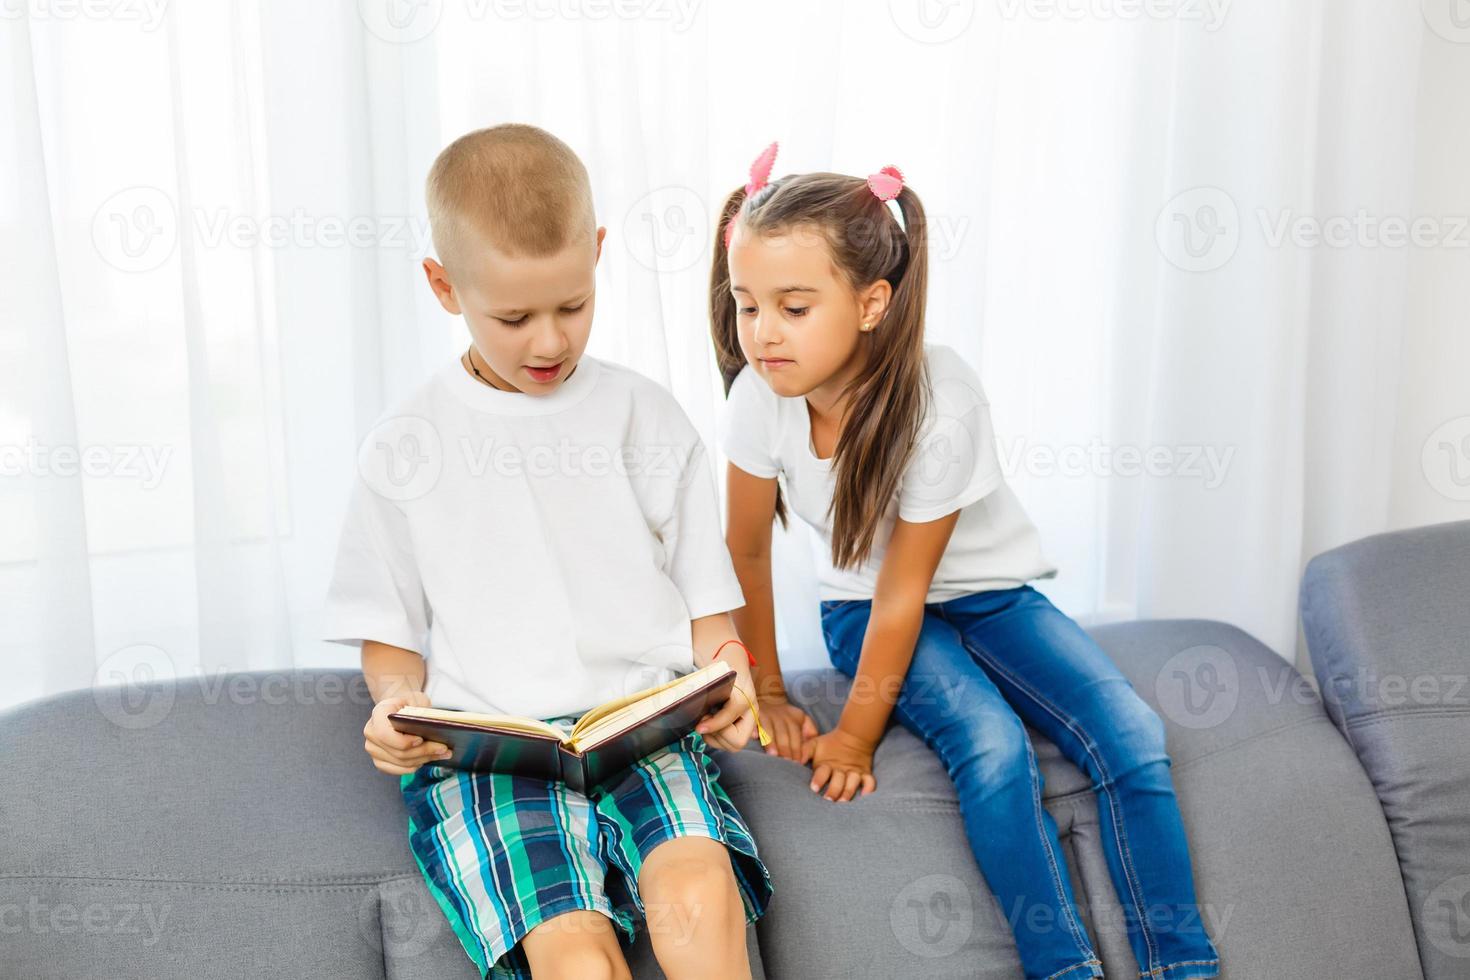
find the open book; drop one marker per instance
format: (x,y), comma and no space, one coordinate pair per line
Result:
(605,740)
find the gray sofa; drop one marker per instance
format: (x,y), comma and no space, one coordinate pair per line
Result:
(234,828)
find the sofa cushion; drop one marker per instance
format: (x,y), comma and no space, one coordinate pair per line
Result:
(887,886)
(214,827)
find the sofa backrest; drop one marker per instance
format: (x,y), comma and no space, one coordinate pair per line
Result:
(1387,621)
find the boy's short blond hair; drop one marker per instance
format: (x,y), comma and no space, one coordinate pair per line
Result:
(513,186)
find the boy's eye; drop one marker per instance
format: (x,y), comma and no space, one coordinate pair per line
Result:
(511,323)
(574,309)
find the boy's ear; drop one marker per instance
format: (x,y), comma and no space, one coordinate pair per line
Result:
(442,287)
(601,234)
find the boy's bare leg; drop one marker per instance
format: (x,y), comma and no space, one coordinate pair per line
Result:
(696,919)
(576,945)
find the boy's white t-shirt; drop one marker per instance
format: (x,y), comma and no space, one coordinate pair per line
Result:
(955,467)
(544,554)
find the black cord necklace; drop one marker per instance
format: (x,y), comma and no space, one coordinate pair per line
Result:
(471,358)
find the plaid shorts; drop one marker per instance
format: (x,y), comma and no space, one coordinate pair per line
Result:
(502,854)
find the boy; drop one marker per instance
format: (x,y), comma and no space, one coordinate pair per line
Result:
(535,532)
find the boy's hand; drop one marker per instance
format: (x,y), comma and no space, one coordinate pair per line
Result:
(731,726)
(843,764)
(793,732)
(395,752)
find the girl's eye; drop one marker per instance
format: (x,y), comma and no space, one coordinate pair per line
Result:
(746,311)
(796,310)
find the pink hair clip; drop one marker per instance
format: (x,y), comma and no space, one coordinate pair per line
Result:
(760,176)
(886,185)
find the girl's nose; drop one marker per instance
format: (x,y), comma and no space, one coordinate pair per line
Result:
(765,331)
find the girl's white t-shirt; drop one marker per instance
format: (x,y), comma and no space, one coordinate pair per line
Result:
(955,467)
(544,554)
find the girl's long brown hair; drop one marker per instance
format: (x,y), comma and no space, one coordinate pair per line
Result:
(889,399)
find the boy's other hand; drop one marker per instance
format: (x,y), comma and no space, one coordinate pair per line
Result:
(731,726)
(793,733)
(394,752)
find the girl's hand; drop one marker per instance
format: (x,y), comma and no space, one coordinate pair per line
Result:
(394,752)
(792,730)
(843,764)
(731,726)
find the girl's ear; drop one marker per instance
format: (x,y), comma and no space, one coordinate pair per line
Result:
(873,302)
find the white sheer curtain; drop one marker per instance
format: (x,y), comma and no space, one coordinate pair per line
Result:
(213,219)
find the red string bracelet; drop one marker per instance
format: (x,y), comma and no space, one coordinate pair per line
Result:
(742,646)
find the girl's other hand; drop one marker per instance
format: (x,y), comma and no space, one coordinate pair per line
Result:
(793,733)
(843,765)
(394,752)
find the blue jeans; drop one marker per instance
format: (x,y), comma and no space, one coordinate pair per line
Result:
(985,662)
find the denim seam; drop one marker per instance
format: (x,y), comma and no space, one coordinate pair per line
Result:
(1039,811)
(1089,963)
(1159,971)
(1120,834)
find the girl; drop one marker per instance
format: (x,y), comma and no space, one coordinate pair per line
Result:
(885,447)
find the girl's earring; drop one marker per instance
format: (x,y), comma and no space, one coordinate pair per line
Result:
(867,327)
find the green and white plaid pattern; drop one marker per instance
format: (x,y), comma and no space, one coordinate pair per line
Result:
(502,854)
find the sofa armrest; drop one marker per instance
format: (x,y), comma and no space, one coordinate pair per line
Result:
(1387,622)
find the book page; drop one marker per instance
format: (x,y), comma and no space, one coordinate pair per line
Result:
(626,713)
(508,723)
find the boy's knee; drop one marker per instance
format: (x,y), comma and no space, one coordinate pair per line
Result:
(582,962)
(575,945)
(689,887)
